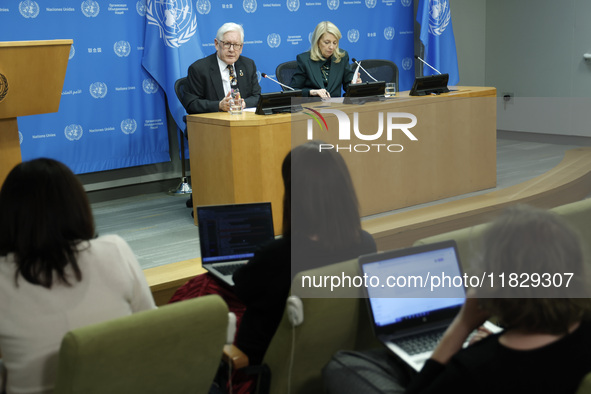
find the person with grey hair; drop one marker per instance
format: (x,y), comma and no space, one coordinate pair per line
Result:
(325,67)
(545,345)
(212,78)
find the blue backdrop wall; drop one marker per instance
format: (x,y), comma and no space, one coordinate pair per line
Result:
(113,114)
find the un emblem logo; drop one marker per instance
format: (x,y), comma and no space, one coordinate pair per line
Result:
(73,132)
(203,6)
(150,86)
(406,63)
(406,3)
(72,52)
(332,4)
(3,87)
(20,138)
(274,40)
(249,6)
(175,20)
(29,9)
(389,32)
(128,126)
(90,8)
(98,90)
(371,3)
(353,35)
(122,48)
(439,16)
(140,7)
(293,5)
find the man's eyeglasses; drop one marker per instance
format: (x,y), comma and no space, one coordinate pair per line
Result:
(228,45)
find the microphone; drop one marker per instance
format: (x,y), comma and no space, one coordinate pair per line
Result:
(277,82)
(359,66)
(424,62)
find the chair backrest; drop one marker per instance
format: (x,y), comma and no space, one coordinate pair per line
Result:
(577,214)
(176,348)
(179,88)
(382,70)
(332,321)
(285,71)
(585,386)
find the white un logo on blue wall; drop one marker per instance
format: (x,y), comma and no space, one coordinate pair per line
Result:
(73,132)
(203,7)
(406,63)
(29,9)
(90,8)
(353,35)
(98,90)
(293,5)
(371,3)
(149,85)
(72,52)
(332,4)
(174,18)
(140,7)
(274,40)
(128,126)
(389,32)
(122,48)
(439,16)
(249,6)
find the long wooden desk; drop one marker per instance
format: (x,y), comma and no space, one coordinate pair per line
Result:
(237,158)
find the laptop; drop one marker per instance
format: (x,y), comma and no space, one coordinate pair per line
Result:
(408,315)
(229,235)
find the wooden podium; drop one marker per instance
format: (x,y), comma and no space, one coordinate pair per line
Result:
(31,79)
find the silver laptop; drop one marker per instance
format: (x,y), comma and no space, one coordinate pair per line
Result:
(230,234)
(409,314)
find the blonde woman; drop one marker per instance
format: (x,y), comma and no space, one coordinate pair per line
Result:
(325,68)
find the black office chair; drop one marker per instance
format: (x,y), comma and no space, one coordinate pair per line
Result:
(382,70)
(285,71)
(183,188)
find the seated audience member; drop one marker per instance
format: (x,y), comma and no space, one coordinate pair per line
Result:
(325,68)
(545,346)
(321,226)
(55,275)
(212,78)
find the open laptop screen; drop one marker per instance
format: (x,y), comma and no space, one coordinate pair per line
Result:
(234,231)
(407,291)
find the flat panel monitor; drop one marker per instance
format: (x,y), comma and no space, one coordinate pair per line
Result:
(433,84)
(278,102)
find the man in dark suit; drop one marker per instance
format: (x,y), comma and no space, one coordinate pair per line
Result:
(212,78)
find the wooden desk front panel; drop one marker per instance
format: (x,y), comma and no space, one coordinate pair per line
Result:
(238,160)
(455,152)
(10,148)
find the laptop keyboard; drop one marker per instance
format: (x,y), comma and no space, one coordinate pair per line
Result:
(228,269)
(420,343)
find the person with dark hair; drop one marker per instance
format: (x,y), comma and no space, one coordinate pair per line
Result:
(545,346)
(55,275)
(321,226)
(325,68)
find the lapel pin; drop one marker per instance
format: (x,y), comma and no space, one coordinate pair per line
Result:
(241,74)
